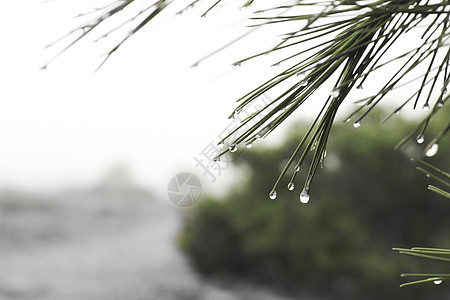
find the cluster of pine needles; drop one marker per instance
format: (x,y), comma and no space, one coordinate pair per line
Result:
(352,39)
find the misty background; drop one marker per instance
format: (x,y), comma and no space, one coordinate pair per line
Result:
(86,156)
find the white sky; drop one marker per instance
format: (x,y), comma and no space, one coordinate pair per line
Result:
(145,107)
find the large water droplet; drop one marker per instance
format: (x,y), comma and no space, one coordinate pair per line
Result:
(420,139)
(440,102)
(273,195)
(335,92)
(297,169)
(249,145)
(236,65)
(357,124)
(291,186)
(437,281)
(233,147)
(432,150)
(426,107)
(304,196)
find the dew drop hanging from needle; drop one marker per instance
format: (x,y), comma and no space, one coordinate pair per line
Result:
(304,196)
(236,65)
(303,82)
(273,195)
(291,186)
(432,150)
(420,139)
(335,92)
(357,124)
(426,107)
(233,147)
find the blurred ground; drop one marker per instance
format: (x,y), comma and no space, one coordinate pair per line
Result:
(100,245)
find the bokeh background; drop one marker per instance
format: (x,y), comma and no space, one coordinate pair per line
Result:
(86,157)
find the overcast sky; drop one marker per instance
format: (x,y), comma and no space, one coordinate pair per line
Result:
(146,107)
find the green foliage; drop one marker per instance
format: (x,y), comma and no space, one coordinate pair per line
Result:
(368,198)
(442,255)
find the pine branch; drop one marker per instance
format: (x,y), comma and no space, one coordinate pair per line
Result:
(353,41)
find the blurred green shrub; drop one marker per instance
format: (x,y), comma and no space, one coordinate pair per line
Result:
(367,199)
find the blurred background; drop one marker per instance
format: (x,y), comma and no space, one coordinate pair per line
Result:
(86,158)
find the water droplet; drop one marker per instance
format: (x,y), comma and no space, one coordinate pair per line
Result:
(297,169)
(347,120)
(262,132)
(304,196)
(303,82)
(426,107)
(357,124)
(236,65)
(291,186)
(440,103)
(432,150)
(437,281)
(273,195)
(233,147)
(216,159)
(335,92)
(420,139)
(359,87)
(249,145)
(301,75)
(444,91)
(220,144)
(397,112)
